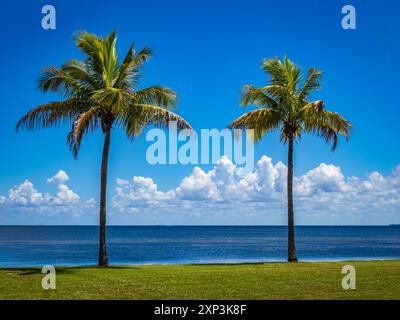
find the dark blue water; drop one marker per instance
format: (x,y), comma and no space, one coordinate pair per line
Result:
(78,245)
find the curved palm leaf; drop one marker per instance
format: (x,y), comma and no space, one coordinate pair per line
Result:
(87,122)
(157,95)
(139,116)
(252,95)
(52,114)
(260,120)
(57,80)
(312,83)
(129,72)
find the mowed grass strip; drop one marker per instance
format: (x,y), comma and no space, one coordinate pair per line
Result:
(304,280)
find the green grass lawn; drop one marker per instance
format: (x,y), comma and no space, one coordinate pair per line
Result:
(307,280)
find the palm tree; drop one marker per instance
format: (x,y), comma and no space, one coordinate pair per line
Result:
(285,105)
(101,93)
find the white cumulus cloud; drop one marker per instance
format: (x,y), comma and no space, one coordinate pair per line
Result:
(226,195)
(321,190)
(25,197)
(60,177)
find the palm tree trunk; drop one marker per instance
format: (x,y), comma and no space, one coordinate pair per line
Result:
(103,260)
(292,257)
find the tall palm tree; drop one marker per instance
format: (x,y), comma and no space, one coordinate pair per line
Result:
(101,93)
(285,105)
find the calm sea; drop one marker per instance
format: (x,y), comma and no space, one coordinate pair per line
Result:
(77,245)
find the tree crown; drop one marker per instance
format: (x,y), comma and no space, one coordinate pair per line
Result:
(100,91)
(285,105)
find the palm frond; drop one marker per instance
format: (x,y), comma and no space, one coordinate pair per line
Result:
(326,124)
(292,74)
(260,120)
(52,114)
(110,58)
(92,47)
(286,74)
(128,73)
(80,71)
(258,96)
(276,92)
(155,95)
(312,82)
(112,99)
(57,80)
(87,122)
(338,122)
(139,116)
(274,68)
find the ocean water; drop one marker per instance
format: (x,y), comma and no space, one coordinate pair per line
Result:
(22,246)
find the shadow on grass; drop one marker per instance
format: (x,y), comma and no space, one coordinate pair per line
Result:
(229,264)
(64,270)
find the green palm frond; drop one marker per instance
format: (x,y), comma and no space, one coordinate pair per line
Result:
(110,58)
(260,120)
(77,70)
(101,54)
(139,116)
(112,99)
(312,82)
(128,73)
(86,122)
(292,74)
(326,124)
(282,74)
(52,114)
(80,72)
(274,68)
(57,80)
(157,95)
(92,47)
(275,92)
(252,95)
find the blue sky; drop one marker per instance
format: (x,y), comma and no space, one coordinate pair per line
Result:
(207,51)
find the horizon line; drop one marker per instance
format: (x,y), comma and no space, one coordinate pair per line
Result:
(199,225)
